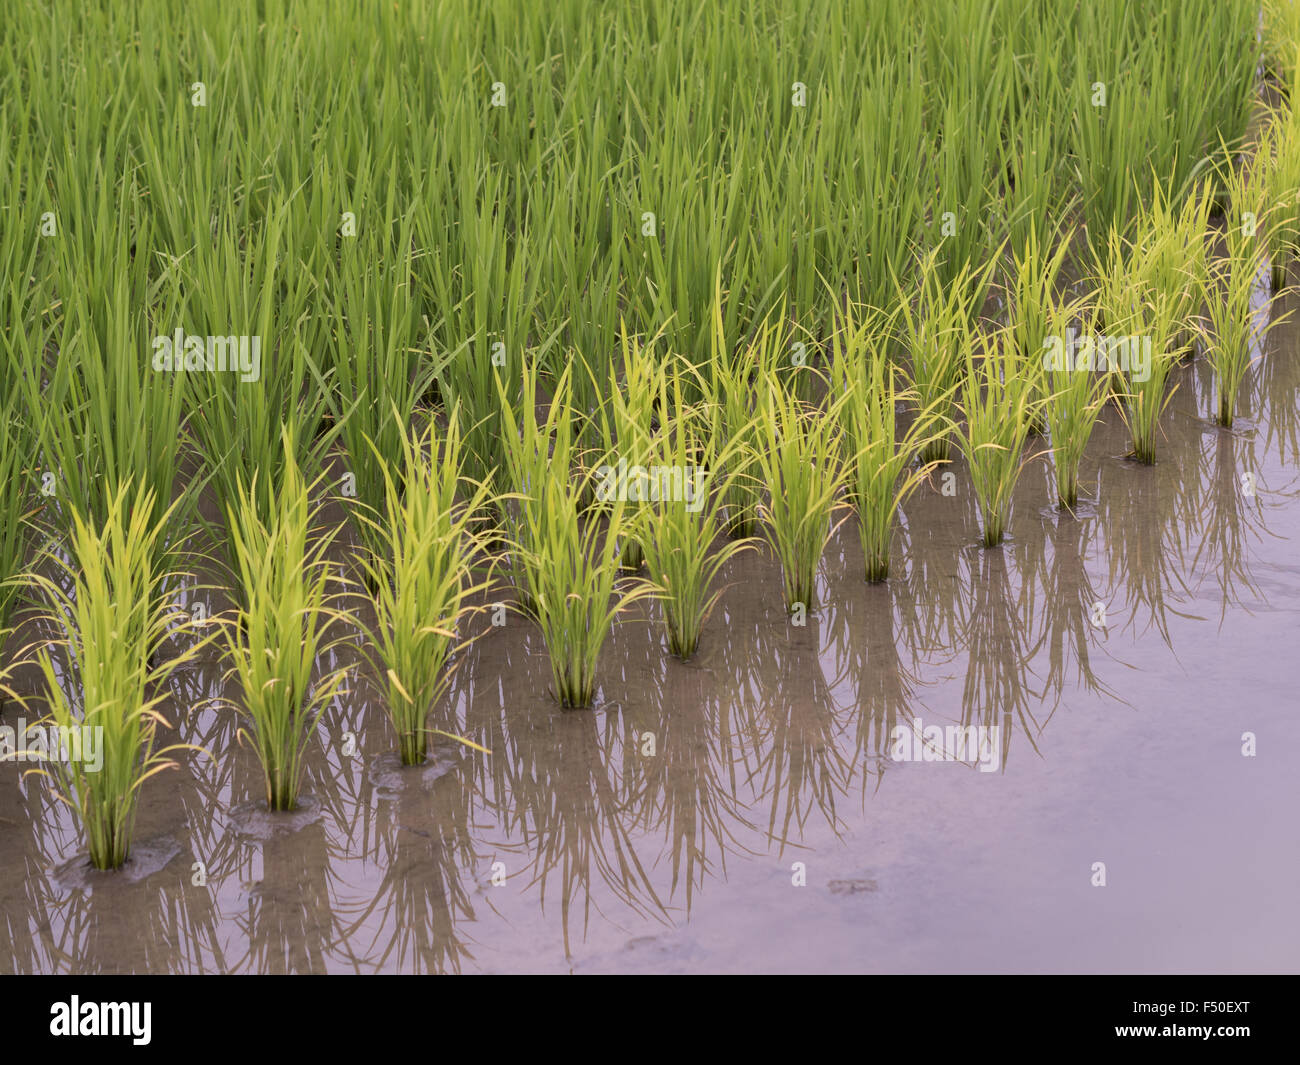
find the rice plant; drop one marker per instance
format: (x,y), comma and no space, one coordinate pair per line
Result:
(1142,300)
(569,562)
(801,463)
(1235,327)
(1035,273)
(626,419)
(422,576)
(933,333)
(1076,394)
(997,403)
(1278,153)
(681,510)
(577,586)
(876,459)
(279,632)
(732,388)
(106,706)
(529,447)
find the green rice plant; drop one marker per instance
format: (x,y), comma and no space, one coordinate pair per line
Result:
(1076,393)
(1281,41)
(376,376)
(109,624)
(682,515)
(1111,145)
(422,577)
(278,633)
(24,306)
(800,460)
(103,414)
(1236,328)
(997,402)
(876,460)
(250,284)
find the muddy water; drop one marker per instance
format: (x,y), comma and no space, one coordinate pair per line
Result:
(742,812)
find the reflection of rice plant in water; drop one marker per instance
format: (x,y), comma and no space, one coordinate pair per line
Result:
(875,459)
(681,526)
(997,405)
(279,630)
(421,576)
(108,625)
(802,468)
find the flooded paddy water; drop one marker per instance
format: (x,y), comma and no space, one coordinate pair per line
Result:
(742,811)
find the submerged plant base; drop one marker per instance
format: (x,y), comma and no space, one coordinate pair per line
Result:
(255,820)
(392,779)
(147,858)
(877,569)
(413,748)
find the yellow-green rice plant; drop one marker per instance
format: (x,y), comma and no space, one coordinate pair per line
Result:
(997,402)
(529,448)
(1281,43)
(1279,153)
(575,575)
(933,333)
(732,390)
(1142,299)
(1235,327)
(1030,300)
(800,459)
(627,415)
(422,577)
(1174,253)
(279,632)
(106,706)
(1076,395)
(682,514)
(876,460)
